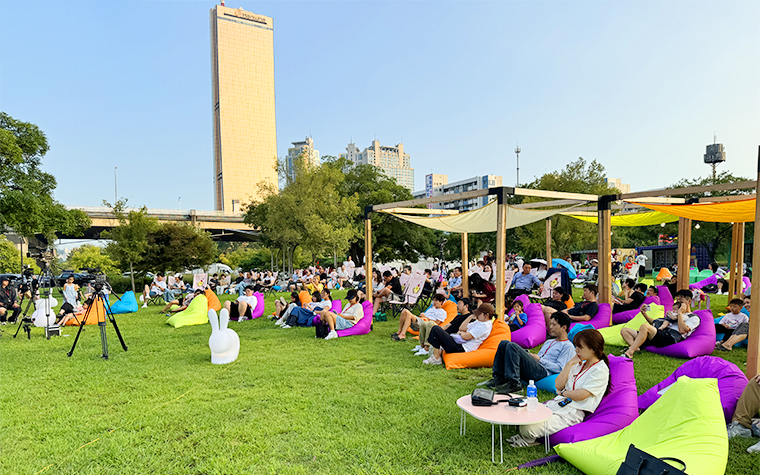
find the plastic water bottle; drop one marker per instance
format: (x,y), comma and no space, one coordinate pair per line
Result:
(532,396)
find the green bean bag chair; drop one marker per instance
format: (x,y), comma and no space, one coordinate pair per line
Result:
(612,334)
(686,423)
(195,314)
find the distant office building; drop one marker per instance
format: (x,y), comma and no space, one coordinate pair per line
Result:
(304,149)
(437,185)
(245,135)
(394,162)
(618,183)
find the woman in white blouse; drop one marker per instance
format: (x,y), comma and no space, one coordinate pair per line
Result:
(581,385)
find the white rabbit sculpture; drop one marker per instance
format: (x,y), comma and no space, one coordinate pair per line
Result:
(223,342)
(40,317)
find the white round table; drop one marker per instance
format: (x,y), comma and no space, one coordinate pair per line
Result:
(502,415)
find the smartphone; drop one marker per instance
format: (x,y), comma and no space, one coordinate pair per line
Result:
(565,402)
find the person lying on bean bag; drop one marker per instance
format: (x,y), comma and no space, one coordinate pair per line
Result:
(676,326)
(581,385)
(465,340)
(513,364)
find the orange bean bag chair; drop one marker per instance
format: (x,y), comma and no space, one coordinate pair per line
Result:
(451,312)
(664,274)
(97,313)
(570,303)
(213,300)
(304,297)
(484,355)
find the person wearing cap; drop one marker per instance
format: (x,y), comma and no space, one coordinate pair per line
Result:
(463,341)
(8,301)
(513,364)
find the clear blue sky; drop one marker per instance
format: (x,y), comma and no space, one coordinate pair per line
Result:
(639,86)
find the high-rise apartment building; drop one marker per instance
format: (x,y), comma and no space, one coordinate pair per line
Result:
(394,162)
(245,137)
(304,149)
(618,183)
(437,185)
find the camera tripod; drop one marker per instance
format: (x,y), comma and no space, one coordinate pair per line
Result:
(25,321)
(99,297)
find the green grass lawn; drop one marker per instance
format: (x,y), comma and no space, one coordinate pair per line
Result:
(289,404)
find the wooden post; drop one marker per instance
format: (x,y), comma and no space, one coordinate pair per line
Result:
(753,350)
(737,261)
(684,253)
(465,266)
(501,251)
(369,285)
(549,242)
(604,246)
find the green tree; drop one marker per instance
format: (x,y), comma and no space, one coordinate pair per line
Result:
(129,240)
(26,192)
(715,237)
(176,247)
(568,234)
(10,258)
(391,238)
(89,256)
(310,212)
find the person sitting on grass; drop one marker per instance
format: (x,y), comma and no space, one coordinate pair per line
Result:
(242,308)
(350,316)
(734,323)
(303,316)
(588,308)
(747,408)
(513,363)
(677,325)
(519,318)
(465,340)
(635,297)
(431,317)
(581,385)
(183,305)
(157,287)
(392,286)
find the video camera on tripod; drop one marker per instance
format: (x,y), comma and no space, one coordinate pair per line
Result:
(43,255)
(95,276)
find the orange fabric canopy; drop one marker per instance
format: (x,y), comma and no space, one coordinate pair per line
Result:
(742,211)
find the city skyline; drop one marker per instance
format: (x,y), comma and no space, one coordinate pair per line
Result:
(637,86)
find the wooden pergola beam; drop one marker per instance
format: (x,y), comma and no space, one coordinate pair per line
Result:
(688,190)
(604,276)
(433,199)
(720,199)
(465,266)
(684,253)
(420,211)
(753,348)
(560,195)
(548,204)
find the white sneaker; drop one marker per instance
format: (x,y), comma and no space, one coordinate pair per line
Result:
(145,305)
(735,429)
(422,352)
(416,349)
(433,360)
(142,298)
(331,335)
(286,326)
(754,448)
(280,322)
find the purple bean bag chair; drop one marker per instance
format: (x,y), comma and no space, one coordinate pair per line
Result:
(700,343)
(747,283)
(666,298)
(337,307)
(259,310)
(731,382)
(713,279)
(617,410)
(625,317)
(601,319)
(534,332)
(364,325)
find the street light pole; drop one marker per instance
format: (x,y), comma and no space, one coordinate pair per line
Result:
(115,194)
(517,152)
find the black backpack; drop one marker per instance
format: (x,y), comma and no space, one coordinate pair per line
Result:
(322,330)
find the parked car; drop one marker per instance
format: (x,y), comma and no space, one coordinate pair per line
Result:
(80,278)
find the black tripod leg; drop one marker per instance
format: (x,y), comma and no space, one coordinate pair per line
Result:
(21,321)
(118,333)
(79,332)
(103,339)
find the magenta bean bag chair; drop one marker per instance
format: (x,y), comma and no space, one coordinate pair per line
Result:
(747,283)
(625,317)
(259,310)
(336,306)
(617,410)
(534,332)
(700,343)
(600,320)
(713,279)
(364,325)
(666,298)
(731,382)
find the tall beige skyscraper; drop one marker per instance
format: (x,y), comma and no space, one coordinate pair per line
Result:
(245,136)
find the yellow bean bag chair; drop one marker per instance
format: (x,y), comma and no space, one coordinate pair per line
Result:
(195,314)
(213,301)
(484,355)
(612,334)
(686,423)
